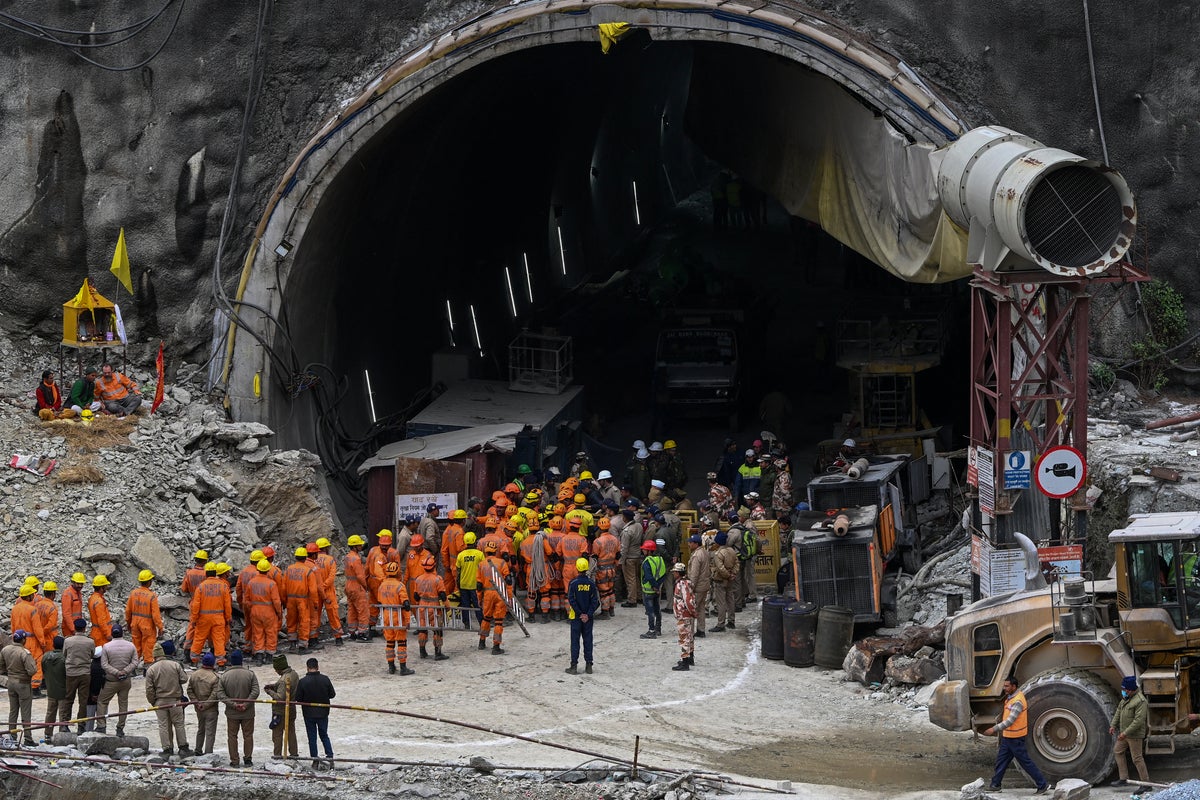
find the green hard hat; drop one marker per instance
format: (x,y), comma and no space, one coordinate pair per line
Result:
(524,469)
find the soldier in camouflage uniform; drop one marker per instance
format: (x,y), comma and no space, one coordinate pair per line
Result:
(781,497)
(719,496)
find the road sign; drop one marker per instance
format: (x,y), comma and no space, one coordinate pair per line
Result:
(972,468)
(1060,472)
(1017,469)
(986,467)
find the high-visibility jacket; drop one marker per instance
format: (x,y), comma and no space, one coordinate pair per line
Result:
(326,574)
(1021,726)
(452,545)
(262,591)
(355,568)
(143,604)
(25,617)
(392,595)
(378,558)
(113,387)
(571,547)
(607,549)
(654,570)
(101,619)
(299,582)
(248,573)
(499,567)
(212,598)
(191,579)
(466,568)
(48,613)
(72,609)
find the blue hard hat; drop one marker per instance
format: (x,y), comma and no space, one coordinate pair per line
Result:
(802,506)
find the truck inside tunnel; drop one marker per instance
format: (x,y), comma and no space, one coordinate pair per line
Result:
(561,189)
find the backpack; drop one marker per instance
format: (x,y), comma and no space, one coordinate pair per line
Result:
(750,543)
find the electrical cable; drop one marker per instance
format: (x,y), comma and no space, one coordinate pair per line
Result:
(43,27)
(1087,28)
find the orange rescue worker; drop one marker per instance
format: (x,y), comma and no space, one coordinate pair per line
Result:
(492,576)
(394,608)
(535,554)
(275,573)
(265,610)
(187,587)
(452,540)
(326,577)
(72,604)
(358,600)
(558,594)
(98,611)
(430,596)
(607,549)
(300,585)
(25,617)
(571,548)
(225,574)
(411,569)
(212,611)
(314,614)
(48,613)
(143,619)
(378,557)
(248,573)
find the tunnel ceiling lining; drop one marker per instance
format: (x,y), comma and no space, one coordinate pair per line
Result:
(882,82)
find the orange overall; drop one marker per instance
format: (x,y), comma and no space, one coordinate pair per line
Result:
(378,558)
(101,619)
(187,587)
(212,610)
(265,610)
(300,584)
(494,608)
(452,545)
(537,584)
(72,609)
(25,617)
(429,595)
(326,574)
(143,620)
(358,601)
(248,573)
(571,547)
(392,596)
(47,611)
(607,549)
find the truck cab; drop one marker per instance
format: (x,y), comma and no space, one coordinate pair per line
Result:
(697,369)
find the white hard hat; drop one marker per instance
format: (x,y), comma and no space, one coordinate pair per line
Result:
(604,475)
(660,542)
(657,484)
(751,452)
(643,453)
(656,447)
(638,444)
(849,443)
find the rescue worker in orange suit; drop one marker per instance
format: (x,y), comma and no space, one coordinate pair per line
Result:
(300,584)
(72,604)
(25,617)
(536,554)
(248,573)
(101,632)
(48,613)
(314,614)
(571,548)
(263,609)
(212,609)
(358,599)
(496,534)
(394,616)
(411,568)
(607,550)
(275,573)
(378,557)
(494,579)
(225,575)
(430,597)
(452,541)
(187,587)
(558,594)
(143,619)
(326,576)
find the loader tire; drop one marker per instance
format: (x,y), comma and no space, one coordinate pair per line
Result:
(1069,715)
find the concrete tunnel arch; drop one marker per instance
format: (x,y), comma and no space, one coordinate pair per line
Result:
(294,258)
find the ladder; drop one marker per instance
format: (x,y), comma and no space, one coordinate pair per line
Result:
(1161,687)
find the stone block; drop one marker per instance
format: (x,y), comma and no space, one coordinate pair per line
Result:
(1072,789)
(99,744)
(152,554)
(911,670)
(94,553)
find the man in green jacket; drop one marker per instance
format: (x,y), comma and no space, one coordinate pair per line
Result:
(83,393)
(58,706)
(1129,723)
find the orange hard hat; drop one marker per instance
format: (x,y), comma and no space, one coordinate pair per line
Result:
(416,541)
(490,547)
(391,568)
(565,495)
(491,522)
(604,523)
(428,563)
(312,548)
(510,511)
(512,524)
(556,523)
(501,502)
(497,496)
(512,487)
(574,523)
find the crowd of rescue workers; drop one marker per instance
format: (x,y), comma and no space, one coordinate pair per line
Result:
(545,547)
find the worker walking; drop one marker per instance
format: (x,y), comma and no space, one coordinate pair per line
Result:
(583,603)
(143,618)
(686,610)
(379,556)
(98,611)
(238,688)
(607,549)
(466,578)
(725,581)
(358,598)
(119,659)
(212,610)
(429,596)
(300,585)
(72,604)
(283,714)
(495,581)
(25,617)
(18,667)
(1130,725)
(263,610)
(1012,729)
(165,686)
(326,578)
(654,572)
(394,615)
(202,689)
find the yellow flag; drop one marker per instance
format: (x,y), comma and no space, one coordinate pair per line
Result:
(84,299)
(120,263)
(610,32)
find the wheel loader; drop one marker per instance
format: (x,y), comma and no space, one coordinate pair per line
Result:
(1071,642)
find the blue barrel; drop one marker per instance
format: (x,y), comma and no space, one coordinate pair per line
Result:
(772,626)
(835,634)
(799,632)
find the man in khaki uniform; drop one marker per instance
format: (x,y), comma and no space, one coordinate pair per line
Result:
(202,688)
(119,659)
(236,689)
(726,579)
(699,572)
(283,716)
(18,666)
(165,682)
(77,653)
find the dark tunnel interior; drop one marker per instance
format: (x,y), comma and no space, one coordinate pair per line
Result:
(612,153)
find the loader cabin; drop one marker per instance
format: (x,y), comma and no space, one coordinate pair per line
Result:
(1158,579)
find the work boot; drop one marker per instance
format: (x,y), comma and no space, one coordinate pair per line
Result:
(292,647)
(38,692)
(497,650)
(717,629)
(185,752)
(466,622)
(682,666)
(424,652)
(588,668)
(391,668)
(482,643)
(120,731)
(545,617)
(691,659)
(168,751)
(314,644)
(404,670)
(649,635)
(572,670)
(338,642)
(658,631)
(731,626)
(699,634)
(438,655)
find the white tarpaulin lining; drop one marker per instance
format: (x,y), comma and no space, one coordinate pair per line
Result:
(484,439)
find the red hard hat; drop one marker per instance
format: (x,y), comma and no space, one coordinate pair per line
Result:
(268,552)
(312,548)
(648,545)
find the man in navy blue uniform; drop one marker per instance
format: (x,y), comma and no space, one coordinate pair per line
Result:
(583,597)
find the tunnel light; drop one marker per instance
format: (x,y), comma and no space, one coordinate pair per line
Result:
(475,325)
(528,277)
(562,252)
(450,322)
(512,300)
(370,395)
(637,212)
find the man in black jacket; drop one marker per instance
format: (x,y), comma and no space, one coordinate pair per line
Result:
(316,688)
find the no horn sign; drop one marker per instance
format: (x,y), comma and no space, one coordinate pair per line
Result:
(1060,472)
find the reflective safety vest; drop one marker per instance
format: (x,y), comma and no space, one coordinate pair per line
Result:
(658,570)
(1021,727)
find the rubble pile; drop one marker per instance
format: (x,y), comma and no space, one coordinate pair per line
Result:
(145,492)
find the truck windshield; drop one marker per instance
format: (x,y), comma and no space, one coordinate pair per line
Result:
(697,347)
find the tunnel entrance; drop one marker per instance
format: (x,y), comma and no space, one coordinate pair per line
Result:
(560,188)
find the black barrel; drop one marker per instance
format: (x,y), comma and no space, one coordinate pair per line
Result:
(799,630)
(835,634)
(772,626)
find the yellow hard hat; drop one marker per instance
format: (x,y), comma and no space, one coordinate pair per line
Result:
(385,532)
(322,543)
(201,555)
(469,537)
(27,590)
(223,568)
(301,551)
(78,577)
(32,580)
(264,565)
(458,513)
(669,444)
(355,541)
(145,575)
(256,556)
(86,413)
(579,498)
(582,564)
(586,475)
(211,566)
(49,586)
(100,580)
